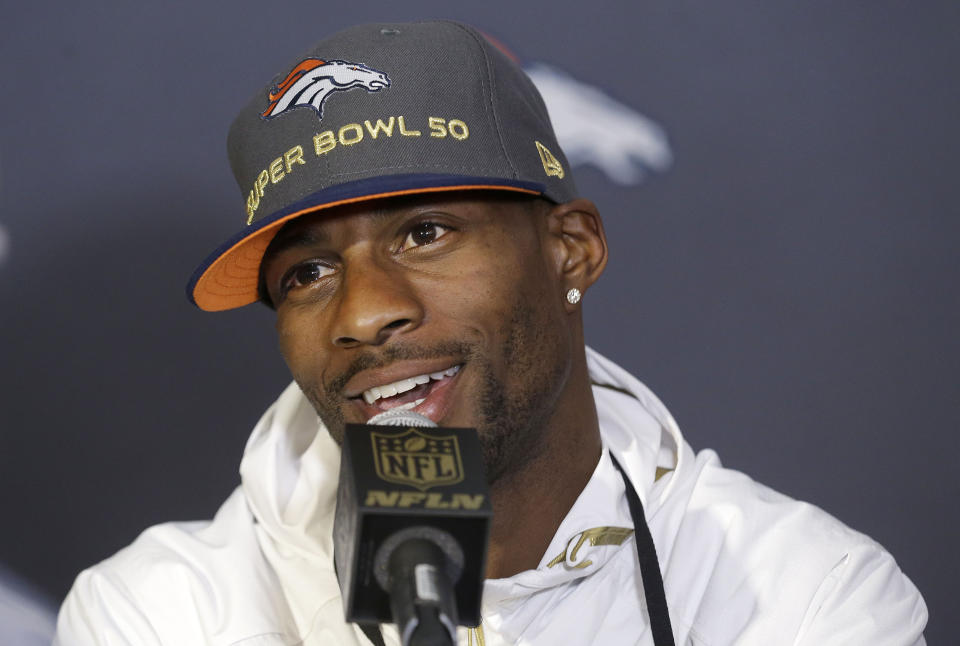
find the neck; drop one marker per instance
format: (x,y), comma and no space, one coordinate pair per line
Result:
(529,505)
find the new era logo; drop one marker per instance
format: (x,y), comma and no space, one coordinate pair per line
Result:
(551,166)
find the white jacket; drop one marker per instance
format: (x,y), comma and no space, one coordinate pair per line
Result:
(741,564)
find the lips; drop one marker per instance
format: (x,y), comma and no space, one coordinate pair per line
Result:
(427,393)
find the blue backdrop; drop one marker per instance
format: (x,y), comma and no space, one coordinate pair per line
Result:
(784,277)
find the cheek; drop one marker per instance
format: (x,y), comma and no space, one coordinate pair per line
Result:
(472,295)
(484,292)
(297,343)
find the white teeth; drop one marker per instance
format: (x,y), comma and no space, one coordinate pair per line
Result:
(449,372)
(403,385)
(411,405)
(388,391)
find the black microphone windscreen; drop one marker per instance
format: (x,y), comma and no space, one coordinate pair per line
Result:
(398,472)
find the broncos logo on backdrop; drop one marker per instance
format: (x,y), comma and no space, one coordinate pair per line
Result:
(313,80)
(596,130)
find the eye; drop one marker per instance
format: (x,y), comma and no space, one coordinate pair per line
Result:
(304,274)
(422,234)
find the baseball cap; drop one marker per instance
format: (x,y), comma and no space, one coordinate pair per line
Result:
(376,111)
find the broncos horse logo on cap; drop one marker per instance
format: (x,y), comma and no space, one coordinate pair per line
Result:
(313,80)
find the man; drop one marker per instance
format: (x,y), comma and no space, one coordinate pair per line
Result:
(412,220)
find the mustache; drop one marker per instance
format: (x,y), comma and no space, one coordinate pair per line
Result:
(398,352)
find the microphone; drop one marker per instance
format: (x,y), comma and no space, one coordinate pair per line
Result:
(412,525)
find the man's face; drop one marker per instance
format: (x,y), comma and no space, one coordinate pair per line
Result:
(448,305)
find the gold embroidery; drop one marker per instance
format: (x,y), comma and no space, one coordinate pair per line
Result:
(253,203)
(404,131)
(324,142)
(661,471)
(356,128)
(276,170)
(273,174)
(295,154)
(261,182)
(596,536)
(349,135)
(458,129)
(437,127)
(476,633)
(374,130)
(551,165)
(253,200)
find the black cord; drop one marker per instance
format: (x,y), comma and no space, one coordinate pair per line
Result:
(372,631)
(649,567)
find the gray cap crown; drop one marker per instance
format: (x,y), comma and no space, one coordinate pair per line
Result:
(383,109)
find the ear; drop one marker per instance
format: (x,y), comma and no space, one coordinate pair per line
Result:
(578,244)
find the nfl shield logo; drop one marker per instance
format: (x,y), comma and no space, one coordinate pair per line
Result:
(417,459)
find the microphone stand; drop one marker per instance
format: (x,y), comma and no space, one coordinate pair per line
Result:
(418,566)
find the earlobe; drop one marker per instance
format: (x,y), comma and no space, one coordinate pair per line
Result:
(579,244)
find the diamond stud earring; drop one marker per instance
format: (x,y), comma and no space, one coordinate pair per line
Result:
(573,296)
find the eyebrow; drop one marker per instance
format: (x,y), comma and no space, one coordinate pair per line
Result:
(299,237)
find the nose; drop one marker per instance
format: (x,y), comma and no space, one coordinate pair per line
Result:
(375,303)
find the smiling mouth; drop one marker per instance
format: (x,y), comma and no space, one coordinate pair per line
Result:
(408,393)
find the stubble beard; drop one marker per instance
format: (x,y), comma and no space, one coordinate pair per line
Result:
(515,420)
(512,420)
